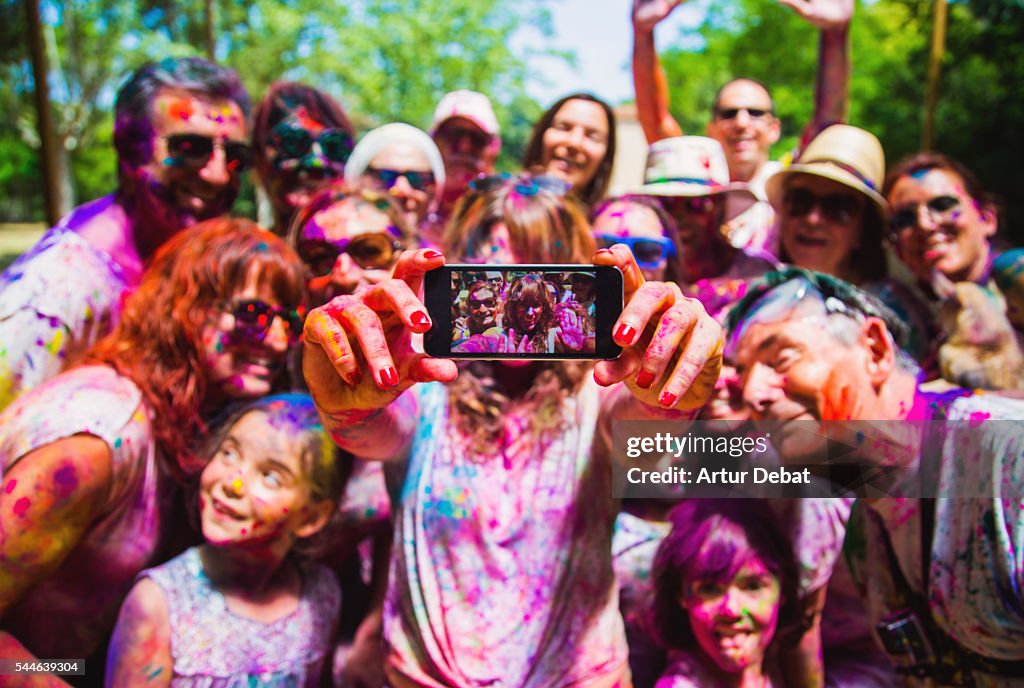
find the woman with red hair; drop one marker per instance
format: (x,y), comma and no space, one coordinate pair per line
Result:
(91,460)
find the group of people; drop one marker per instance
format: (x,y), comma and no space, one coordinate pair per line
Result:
(225,459)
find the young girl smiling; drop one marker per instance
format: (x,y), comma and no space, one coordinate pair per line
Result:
(241,609)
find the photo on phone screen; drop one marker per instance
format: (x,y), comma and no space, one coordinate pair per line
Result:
(523,311)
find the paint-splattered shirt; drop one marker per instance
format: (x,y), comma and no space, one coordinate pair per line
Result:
(502,573)
(70,613)
(976,572)
(56,301)
(212,647)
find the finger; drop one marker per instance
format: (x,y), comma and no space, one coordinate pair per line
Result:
(422,368)
(621,257)
(801,7)
(323,330)
(412,264)
(648,301)
(675,324)
(692,381)
(608,373)
(395,296)
(365,324)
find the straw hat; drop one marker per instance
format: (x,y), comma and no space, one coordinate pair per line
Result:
(848,155)
(691,166)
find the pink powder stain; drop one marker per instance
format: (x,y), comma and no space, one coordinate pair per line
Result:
(21,506)
(978,417)
(11,484)
(244,531)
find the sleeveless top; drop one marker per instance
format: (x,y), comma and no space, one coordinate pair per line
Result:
(72,611)
(212,647)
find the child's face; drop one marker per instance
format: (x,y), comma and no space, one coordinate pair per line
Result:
(254,491)
(734,622)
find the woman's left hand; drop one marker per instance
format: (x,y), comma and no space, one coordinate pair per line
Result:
(671,347)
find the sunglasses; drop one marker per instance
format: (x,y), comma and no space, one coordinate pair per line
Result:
(477,138)
(486,303)
(371,251)
(254,318)
(525,184)
(385,178)
(195,150)
(294,143)
(690,205)
(733,113)
(940,209)
(839,208)
(649,252)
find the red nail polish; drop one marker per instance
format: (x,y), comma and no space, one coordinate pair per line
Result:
(625,333)
(644,379)
(355,378)
(420,319)
(431,253)
(667,399)
(389,377)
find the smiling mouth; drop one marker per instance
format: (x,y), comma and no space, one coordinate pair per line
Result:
(810,241)
(224,510)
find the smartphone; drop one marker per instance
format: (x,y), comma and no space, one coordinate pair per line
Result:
(524,312)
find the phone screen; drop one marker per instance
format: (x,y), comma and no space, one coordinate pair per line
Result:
(523,311)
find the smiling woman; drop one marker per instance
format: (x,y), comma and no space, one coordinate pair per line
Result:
(91,460)
(575,140)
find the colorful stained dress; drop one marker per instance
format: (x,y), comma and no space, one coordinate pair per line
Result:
(212,647)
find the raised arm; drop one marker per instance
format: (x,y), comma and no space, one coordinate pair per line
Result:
(362,355)
(649,83)
(831,91)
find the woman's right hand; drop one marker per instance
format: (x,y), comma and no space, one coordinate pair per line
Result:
(363,350)
(647,13)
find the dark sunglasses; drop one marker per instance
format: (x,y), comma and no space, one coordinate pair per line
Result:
(371,251)
(195,150)
(733,113)
(385,178)
(649,252)
(486,303)
(294,143)
(525,184)
(477,137)
(940,209)
(693,205)
(254,318)
(839,208)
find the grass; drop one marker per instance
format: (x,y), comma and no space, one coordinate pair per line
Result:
(17,238)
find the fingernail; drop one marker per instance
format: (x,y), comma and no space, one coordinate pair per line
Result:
(389,377)
(667,399)
(644,379)
(431,253)
(420,319)
(604,250)
(355,378)
(625,333)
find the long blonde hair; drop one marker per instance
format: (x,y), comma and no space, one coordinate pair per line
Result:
(543,227)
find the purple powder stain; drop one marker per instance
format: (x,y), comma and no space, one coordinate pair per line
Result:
(66,479)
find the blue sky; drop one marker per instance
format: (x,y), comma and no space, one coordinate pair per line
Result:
(602,36)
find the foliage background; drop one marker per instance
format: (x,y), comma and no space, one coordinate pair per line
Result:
(392,60)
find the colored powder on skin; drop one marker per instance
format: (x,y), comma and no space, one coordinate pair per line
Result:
(66,479)
(180,108)
(244,531)
(21,506)
(978,417)
(11,484)
(153,674)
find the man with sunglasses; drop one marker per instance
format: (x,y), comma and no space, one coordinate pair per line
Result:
(466,132)
(181,137)
(483,309)
(689,177)
(742,113)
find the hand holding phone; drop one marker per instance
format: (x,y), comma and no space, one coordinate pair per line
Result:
(671,348)
(361,350)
